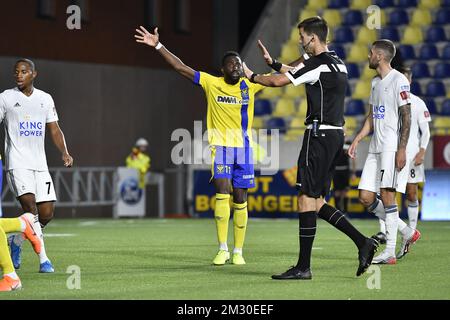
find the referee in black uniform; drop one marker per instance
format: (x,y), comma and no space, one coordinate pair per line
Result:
(325,77)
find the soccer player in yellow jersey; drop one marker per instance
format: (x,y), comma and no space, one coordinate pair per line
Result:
(24,224)
(229,120)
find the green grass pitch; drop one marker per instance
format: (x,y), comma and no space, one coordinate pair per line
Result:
(171,259)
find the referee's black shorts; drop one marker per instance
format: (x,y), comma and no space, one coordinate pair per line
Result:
(316,162)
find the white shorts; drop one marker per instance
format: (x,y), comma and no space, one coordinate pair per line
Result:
(39,183)
(380,172)
(416,174)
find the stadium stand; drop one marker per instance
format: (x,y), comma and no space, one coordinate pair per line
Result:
(419,28)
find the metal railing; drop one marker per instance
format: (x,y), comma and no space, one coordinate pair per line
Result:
(77,187)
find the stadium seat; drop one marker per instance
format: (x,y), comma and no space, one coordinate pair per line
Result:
(262,107)
(442,16)
(384,3)
(355,108)
(338,4)
(445,3)
(307,13)
(435,34)
(302,108)
(290,52)
(284,108)
(398,17)
(416,88)
(431,105)
(446,52)
(294,92)
(333,17)
(360,4)
(442,70)
(343,35)
(353,71)
(429,4)
(294,36)
(258,123)
(271,92)
(390,33)
(276,123)
(353,18)
(348,91)
(362,90)
(406,3)
(412,35)
(428,52)
(358,53)
(366,36)
(296,129)
(317,4)
(407,51)
(340,51)
(445,109)
(441,125)
(368,73)
(435,89)
(421,17)
(420,70)
(351,126)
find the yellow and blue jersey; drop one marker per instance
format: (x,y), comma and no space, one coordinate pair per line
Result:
(230,110)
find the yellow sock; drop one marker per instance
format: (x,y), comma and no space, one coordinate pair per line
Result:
(240,218)
(222,216)
(11,225)
(5,259)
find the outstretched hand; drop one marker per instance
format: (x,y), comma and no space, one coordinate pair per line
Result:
(248,73)
(146,37)
(265,53)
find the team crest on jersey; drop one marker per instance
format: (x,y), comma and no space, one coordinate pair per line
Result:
(220,169)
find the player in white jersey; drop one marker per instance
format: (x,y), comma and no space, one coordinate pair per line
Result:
(386,166)
(26,113)
(417,144)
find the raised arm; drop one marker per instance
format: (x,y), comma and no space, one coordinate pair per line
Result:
(60,142)
(274,64)
(364,132)
(152,40)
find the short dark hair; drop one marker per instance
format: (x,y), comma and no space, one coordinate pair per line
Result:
(405,70)
(27,61)
(229,54)
(317,26)
(387,46)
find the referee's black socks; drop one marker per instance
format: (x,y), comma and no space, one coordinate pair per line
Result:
(307,232)
(337,219)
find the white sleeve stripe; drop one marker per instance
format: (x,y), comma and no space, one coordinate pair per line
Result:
(313,75)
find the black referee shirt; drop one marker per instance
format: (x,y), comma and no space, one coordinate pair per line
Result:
(325,78)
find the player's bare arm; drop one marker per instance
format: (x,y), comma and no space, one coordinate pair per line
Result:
(405,115)
(364,132)
(269,60)
(424,139)
(60,142)
(272,80)
(152,40)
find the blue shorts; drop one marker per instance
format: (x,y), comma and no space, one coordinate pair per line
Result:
(235,164)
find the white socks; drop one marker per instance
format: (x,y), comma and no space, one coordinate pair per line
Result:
(392,220)
(413,213)
(223,246)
